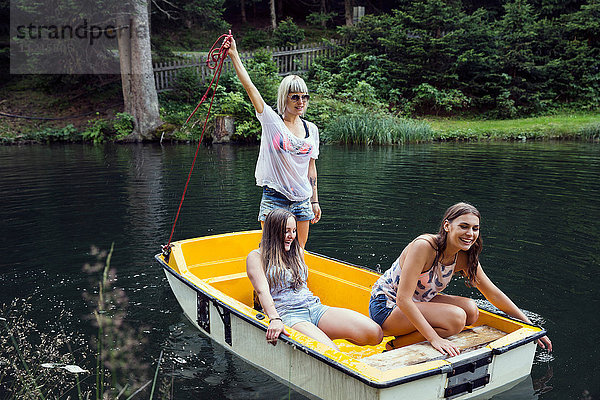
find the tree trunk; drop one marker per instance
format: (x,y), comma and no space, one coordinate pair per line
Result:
(273,15)
(243,10)
(150,17)
(348,13)
(324,11)
(137,76)
(224,128)
(279,10)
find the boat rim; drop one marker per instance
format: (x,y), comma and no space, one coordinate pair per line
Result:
(332,363)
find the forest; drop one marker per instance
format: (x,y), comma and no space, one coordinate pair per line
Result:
(402,60)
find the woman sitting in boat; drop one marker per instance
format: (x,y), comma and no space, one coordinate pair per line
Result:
(278,273)
(408,298)
(289,146)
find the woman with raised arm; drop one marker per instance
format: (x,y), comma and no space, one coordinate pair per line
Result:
(408,298)
(278,273)
(289,147)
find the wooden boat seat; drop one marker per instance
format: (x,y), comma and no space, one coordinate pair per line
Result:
(467,340)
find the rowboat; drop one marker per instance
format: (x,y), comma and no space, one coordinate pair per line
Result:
(208,277)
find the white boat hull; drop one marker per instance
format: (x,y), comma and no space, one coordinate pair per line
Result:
(317,376)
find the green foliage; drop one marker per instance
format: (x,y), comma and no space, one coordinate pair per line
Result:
(162,49)
(590,131)
(499,60)
(207,13)
(96,131)
(563,126)
(45,363)
(287,33)
(239,106)
(428,98)
(187,14)
(187,86)
(66,134)
(123,124)
(369,128)
(359,78)
(320,19)
(254,39)
(176,113)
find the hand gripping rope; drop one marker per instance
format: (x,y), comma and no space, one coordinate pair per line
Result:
(215,59)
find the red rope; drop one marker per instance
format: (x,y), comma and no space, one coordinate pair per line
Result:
(217,55)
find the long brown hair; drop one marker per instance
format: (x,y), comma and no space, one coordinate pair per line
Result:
(441,239)
(274,257)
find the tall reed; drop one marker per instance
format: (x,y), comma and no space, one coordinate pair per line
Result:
(376,129)
(590,131)
(40,363)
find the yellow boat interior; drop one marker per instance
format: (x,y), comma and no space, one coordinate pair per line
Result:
(218,264)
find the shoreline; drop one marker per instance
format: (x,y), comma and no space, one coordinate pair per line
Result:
(563,127)
(86,119)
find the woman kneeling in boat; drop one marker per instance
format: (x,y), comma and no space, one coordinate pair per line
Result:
(278,273)
(408,297)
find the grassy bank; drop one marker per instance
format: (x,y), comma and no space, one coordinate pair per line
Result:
(92,114)
(387,129)
(562,126)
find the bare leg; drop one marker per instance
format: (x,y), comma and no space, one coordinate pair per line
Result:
(468,305)
(302,229)
(312,331)
(342,323)
(445,319)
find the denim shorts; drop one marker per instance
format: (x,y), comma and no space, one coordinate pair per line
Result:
(311,313)
(272,199)
(378,309)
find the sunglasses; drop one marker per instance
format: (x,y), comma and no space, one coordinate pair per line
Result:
(296,97)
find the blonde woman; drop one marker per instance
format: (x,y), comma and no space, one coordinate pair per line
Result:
(286,167)
(278,273)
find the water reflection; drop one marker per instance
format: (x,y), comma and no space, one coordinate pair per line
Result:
(538,201)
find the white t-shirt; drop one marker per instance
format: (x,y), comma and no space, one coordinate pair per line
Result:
(283,159)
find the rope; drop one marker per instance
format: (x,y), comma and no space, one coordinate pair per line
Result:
(215,59)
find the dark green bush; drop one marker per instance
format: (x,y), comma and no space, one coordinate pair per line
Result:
(320,19)
(187,86)
(254,39)
(287,33)
(123,125)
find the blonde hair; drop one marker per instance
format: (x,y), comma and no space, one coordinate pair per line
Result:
(289,84)
(275,259)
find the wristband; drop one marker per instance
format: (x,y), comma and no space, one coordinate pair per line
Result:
(314,202)
(273,319)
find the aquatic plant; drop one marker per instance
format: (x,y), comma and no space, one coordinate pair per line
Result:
(590,131)
(44,363)
(119,366)
(33,361)
(376,129)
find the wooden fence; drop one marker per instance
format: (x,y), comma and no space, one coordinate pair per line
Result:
(289,60)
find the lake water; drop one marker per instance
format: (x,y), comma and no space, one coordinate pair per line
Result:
(540,205)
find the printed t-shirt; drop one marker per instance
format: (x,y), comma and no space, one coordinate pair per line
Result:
(283,158)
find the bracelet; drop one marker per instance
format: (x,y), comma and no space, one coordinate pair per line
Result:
(314,202)
(273,319)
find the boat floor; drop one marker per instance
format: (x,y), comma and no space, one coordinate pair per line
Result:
(467,340)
